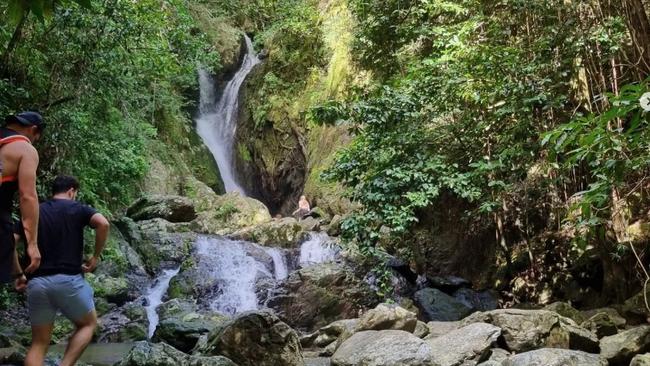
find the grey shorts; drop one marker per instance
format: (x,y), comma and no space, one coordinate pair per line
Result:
(70,294)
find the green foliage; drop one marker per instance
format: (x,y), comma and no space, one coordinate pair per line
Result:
(225,211)
(104,79)
(611,148)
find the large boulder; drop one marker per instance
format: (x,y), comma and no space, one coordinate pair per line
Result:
(437,329)
(387,316)
(127,323)
(181,324)
(604,324)
(285,233)
(525,330)
(317,295)
(620,348)
(438,306)
(162,354)
(641,360)
(469,343)
(555,357)
(567,311)
(224,214)
(256,338)
(383,348)
(159,242)
(170,208)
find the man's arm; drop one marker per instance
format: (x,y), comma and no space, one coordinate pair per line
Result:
(18,275)
(101,226)
(29,204)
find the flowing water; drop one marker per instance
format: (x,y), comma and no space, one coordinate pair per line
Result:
(217,121)
(280,268)
(318,249)
(154,297)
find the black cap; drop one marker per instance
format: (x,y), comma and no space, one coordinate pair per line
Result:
(27,118)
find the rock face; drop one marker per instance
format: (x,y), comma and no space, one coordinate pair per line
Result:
(383,348)
(317,295)
(468,343)
(525,330)
(388,316)
(161,354)
(555,357)
(284,233)
(477,300)
(170,208)
(438,306)
(256,339)
(181,325)
(620,348)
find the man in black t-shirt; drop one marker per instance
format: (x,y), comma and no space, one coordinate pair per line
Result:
(58,284)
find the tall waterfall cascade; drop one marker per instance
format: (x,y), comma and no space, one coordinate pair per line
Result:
(217,120)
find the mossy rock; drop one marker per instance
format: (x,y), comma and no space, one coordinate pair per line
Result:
(114,289)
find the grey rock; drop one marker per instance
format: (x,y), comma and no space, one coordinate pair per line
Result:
(619,349)
(421,329)
(469,343)
(383,348)
(162,354)
(641,360)
(448,284)
(256,338)
(387,316)
(170,208)
(477,300)
(525,330)
(437,329)
(555,357)
(438,306)
(567,311)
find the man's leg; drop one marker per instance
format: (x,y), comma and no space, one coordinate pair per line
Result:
(41,335)
(80,338)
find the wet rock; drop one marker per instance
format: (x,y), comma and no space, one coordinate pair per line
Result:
(127,323)
(567,311)
(620,348)
(555,357)
(448,284)
(387,316)
(437,329)
(160,244)
(437,306)
(181,324)
(114,289)
(284,233)
(477,300)
(317,295)
(383,348)
(256,338)
(469,343)
(309,224)
(524,330)
(222,215)
(170,208)
(641,360)
(162,354)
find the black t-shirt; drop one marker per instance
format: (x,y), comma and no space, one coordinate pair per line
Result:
(60,236)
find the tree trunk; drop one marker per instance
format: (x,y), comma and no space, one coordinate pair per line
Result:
(13,42)
(639,28)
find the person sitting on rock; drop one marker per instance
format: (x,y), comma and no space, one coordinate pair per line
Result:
(58,284)
(303,208)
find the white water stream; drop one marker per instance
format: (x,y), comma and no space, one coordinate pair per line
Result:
(318,249)
(154,297)
(217,121)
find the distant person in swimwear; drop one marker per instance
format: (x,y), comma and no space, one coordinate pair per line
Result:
(303,208)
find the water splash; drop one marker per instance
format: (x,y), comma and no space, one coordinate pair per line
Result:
(154,298)
(318,249)
(217,122)
(280,268)
(233,272)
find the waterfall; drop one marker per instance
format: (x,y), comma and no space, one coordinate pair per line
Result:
(154,297)
(318,249)
(280,269)
(234,273)
(217,121)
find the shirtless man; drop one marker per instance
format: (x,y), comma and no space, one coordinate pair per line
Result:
(19,161)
